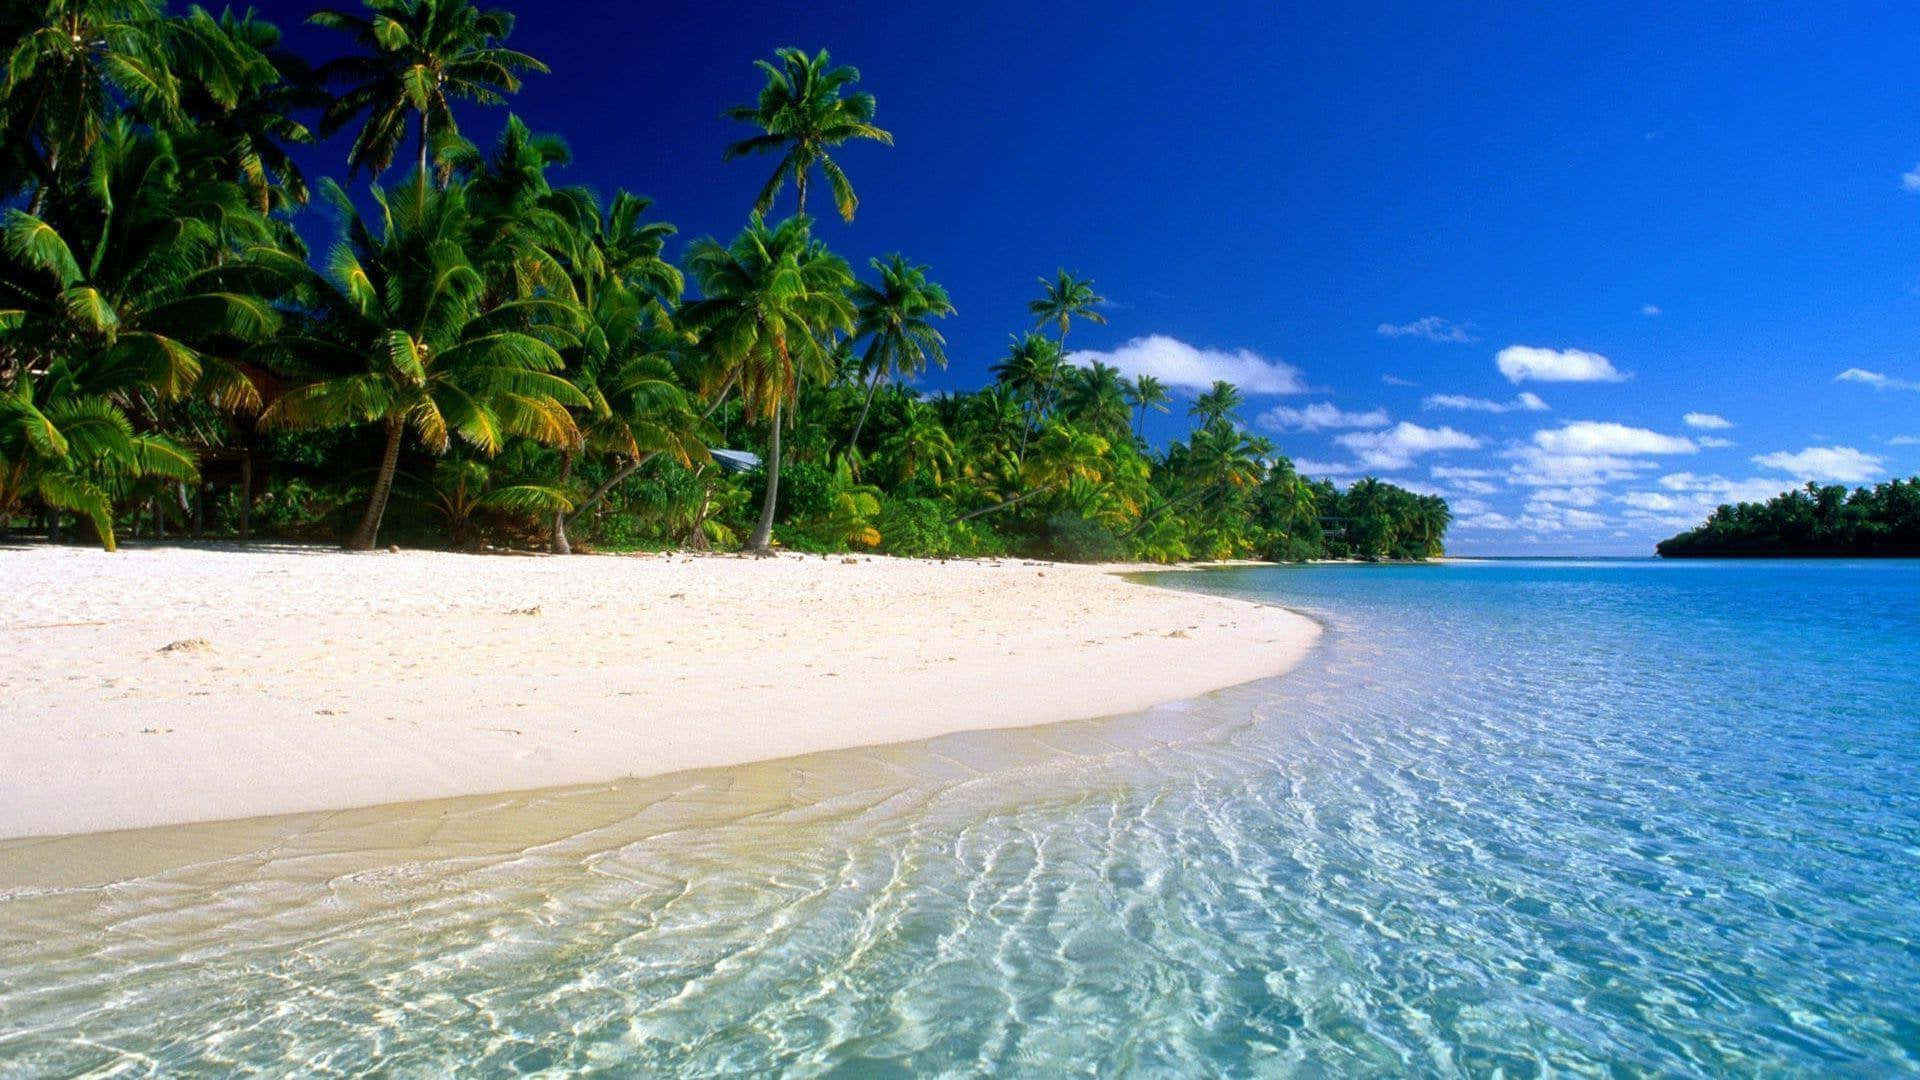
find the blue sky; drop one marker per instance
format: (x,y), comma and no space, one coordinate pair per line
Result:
(1394,221)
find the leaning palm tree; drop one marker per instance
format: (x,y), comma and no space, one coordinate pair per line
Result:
(1063,300)
(895,318)
(405,342)
(802,112)
(417,56)
(767,300)
(1143,393)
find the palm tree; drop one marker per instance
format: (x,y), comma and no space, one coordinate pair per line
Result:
(150,315)
(1143,393)
(67,63)
(802,113)
(767,300)
(1096,399)
(1064,299)
(417,56)
(919,444)
(1062,455)
(895,318)
(251,124)
(1219,404)
(1034,369)
(406,343)
(76,451)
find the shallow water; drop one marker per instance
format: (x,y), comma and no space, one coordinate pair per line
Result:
(1517,817)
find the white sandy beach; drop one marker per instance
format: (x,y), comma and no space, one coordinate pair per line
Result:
(311,679)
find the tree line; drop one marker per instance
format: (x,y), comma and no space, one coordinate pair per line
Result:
(488,355)
(1811,522)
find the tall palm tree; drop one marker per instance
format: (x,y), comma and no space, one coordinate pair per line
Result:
(1063,300)
(67,63)
(895,317)
(405,343)
(802,112)
(1146,392)
(1034,369)
(417,56)
(1219,404)
(767,301)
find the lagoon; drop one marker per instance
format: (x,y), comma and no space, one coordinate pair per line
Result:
(1530,816)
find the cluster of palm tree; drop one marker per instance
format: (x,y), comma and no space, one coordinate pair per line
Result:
(488,355)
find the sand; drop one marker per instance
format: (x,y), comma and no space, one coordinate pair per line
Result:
(169,684)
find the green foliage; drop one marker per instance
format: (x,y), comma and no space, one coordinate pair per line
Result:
(1811,522)
(517,358)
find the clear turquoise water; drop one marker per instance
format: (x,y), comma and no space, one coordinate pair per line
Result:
(1518,818)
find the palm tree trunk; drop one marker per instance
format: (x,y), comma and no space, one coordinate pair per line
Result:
(560,544)
(368,533)
(763,533)
(423,153)
(1001,505)
(39,203)
(872,388)
(801,183)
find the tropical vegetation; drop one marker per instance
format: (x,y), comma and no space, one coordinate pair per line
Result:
(483,354)
(1812,522)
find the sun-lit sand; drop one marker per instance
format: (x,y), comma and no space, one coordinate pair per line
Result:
(169,684)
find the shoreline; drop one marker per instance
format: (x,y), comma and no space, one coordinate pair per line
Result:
(167,685)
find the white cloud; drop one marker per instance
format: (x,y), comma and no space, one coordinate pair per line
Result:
(1433,328)
(1527,401)
(1707,421)
(1324,470)
(1876,380)
(1904,440)
(1534,467)
(1605,437)
(1396,447)
(1567,496)
(1522,362)
(1394,380)
(1461,472)
(1489,522)
(1715,442)
(1470,506)
(1838,464)
(1319,416)
(1651,311)
(1474,487)
(1177,363)
(1553,519)
(1911,180)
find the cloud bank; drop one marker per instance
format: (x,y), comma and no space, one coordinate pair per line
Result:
(1189,367)
(1835,464)
(1320,416)
(1396,447)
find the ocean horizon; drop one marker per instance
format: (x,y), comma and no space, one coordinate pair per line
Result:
(1510,817)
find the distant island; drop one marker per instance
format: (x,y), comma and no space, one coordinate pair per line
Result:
(1813,522)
